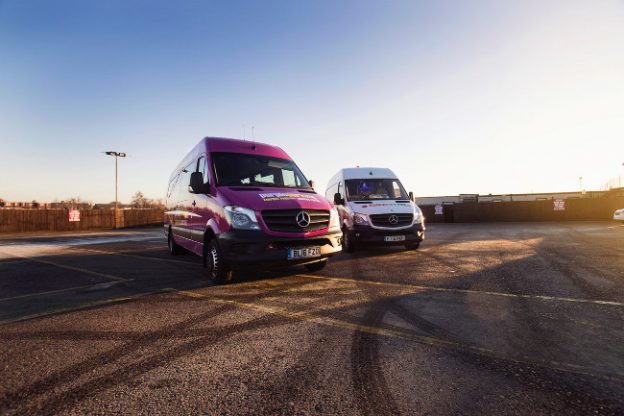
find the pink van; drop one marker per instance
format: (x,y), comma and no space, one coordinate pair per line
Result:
(244,204)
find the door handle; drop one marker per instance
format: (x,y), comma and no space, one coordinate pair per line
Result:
(194,203)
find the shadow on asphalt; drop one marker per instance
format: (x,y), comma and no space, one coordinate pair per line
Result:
(514,327)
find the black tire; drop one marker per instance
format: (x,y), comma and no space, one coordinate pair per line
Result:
(315,267)
(218,270)
(347,243)
(174,249)
(412,246)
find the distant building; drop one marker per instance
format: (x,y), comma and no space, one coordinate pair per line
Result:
(456,199)
(45,205)
(70,205)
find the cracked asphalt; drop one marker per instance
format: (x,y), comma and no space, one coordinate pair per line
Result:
(510,318)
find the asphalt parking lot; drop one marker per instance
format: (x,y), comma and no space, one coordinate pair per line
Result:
(483,319)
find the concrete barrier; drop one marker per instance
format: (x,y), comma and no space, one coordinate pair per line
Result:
(22,220)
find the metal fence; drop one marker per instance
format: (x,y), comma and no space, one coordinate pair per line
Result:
(22,220)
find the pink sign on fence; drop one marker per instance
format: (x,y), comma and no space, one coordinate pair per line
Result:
(74,215)
(559,205)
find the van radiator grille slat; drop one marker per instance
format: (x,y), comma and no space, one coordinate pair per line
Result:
(386,220)
(285,220)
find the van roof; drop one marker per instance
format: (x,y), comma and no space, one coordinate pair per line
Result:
(222,144)
(371,172)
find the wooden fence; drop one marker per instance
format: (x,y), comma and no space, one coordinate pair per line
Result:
(21,220)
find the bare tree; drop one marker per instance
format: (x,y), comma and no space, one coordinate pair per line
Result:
(139,200)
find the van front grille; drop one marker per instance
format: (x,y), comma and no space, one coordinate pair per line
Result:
(285,220)
(392,220)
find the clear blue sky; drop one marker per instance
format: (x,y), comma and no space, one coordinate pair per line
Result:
(456,97)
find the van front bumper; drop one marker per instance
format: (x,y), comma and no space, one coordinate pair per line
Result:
(365,235)
(244,249)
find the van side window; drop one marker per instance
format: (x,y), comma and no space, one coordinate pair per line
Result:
(396,189)
(171,188)
(290,179)
(176,184)
(331,190)
(202,166)
(184,182)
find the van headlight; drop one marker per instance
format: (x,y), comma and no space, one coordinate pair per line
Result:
(334,218)
(418,215)
(360,219)
(241,218)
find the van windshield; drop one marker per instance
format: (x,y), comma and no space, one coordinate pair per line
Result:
(238,169)
(374,189)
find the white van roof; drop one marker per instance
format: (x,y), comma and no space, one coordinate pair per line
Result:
(360,173)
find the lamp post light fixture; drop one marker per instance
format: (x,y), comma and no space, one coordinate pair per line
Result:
(117,156)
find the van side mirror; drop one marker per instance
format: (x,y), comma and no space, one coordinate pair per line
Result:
(411,196)
(338,199)
(197,182)
(311,183)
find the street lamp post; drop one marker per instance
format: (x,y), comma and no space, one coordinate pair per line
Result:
(117,156)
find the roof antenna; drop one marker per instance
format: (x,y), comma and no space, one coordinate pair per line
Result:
(253,136)
(244,132)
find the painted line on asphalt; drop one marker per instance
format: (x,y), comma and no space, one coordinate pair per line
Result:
(391,284)
(402,285)
(468,291)
(135,256)
(52,292)
(309,316)
(78,307)
(73,268)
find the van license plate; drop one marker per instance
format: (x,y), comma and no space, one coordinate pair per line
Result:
(394,238)
(303,253)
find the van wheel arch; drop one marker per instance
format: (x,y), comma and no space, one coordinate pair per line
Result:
(174,248)
(219,271)
(208,235)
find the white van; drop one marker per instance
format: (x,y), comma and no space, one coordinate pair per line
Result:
(375,209)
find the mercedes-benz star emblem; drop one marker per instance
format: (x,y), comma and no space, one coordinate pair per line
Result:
(303,219)
(393,219)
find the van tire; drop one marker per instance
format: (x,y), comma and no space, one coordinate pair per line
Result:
(174,248)
(315,267)
(412,246)
(347,243)
(218,270)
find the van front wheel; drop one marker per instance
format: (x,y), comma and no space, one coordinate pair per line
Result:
(218,271)
(347,242)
